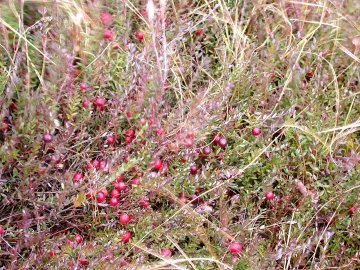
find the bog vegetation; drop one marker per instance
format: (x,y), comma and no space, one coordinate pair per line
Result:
(179,134)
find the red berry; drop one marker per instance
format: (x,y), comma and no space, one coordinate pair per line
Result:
(143,121)
(1,230)
(85,103)
(106,18)
(222,142)
(198,32)
(114,201)
(90,195)
(77,177)
(128,140)
(83,86)
(235,247)
(160,131)
(119,178)
(352,210)
(83,262)
(104,190)
(256,131)
(135,182)
(206,151)
(130,133)
(269,195)
(107,34)
(121,186)
(78,238)
(166,252)
(100,197)
(139,35)
(144,202)
(115,193)
(89,166)
(124,219)
(216,138)
(102,165)
(99,102)
(95,163)
(116,46)
(189,142)
(51,253)
(110,139)
(126,237)
(47,138)
(193,169)
(158,164)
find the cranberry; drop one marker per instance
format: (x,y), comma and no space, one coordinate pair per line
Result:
(85,103)
(102,165)
(1,230)
(352,210)
(114,201)
(99,102)
(189,142)
(222,142)
(121,186)
(216,138)
(198,32)
(100,197)
(107,34)
(193,169)
(95,163)
(106,18)
(166,252)
(51,253)
(77,177)
(256,131)
(160,131)
(83,262)
(144,202)
(47,138)
(235,247)
(78,238)
(158,165)
(83,86)
(206,151)
(139,35)
(115,193)
(269,195)
(135,182)
(130,133)
(126,237)
(110,139)
(128,140)
(124,219)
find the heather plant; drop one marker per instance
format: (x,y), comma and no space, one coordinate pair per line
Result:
(179,134)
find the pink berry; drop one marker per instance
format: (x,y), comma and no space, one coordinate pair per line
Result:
(130,133)
(189,142)
(256,131)
(114,201)
(144,202)
(126,237)
(1,230)
(99,102)
(166,252)
(128,140)
(158,164)
(222,142)
(47,138)
(139,35)
(110,139)
(106,18)
(102,165)
(121,186)
(352,210)
(269,195)
(78,176)
(115,193)
(160,131)
(78,238)
(95,163)
(100,197)
(235,247)
(85,103)
(135,182)
(83,86)
(124,219)
(107,34)
(193,169)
